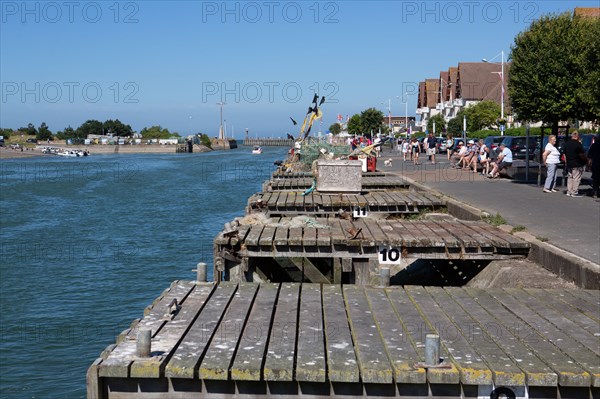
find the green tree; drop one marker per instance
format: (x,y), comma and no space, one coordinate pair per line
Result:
(554,68)
(157,132)
(335,128)
(91,126)
(117,128)
(483,115)
(6,133)
(354,126)
(371,121)
(43,132)
(67,133)
(440,124)
(29,130)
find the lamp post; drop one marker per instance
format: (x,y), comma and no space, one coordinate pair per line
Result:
(405,98)
(221,136)
(502,89)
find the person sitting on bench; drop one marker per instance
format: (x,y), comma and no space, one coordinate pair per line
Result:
(504,160)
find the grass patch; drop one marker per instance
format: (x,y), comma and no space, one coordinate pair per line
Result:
(518,228)
(542,239)
(495,221)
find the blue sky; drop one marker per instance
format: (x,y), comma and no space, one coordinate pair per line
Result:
(169,63)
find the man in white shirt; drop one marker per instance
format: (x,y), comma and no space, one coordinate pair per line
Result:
(504,160)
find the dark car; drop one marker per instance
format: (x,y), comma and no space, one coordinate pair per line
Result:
(492,142)
(516,144)
(587,140)
(34,141)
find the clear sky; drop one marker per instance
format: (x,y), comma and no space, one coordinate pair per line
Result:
(169,63)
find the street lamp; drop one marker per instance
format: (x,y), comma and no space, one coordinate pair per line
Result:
(221,135)
(405,98)
(502,81)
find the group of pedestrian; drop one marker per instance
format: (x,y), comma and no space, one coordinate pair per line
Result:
(412,148)
(475,154)
(575,160)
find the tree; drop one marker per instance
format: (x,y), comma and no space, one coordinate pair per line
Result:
(91,126)
(29,130)
(43,132)
(371,121)
(354,126)
(336,128)
(483,115)
(440,124)
(157,132)
(6,133)
(117,128)
(554,68)
(67,133)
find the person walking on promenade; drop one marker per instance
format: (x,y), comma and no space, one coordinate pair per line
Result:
(449,146)
(576,160)
(551,158)
(594,161)
(430,144)
(405,149)
(415,147)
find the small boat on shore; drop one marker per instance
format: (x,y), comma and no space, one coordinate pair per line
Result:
(72,153)
(257,150)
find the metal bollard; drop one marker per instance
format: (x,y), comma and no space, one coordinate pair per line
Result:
(432,349)
(143,344)
(384,277)
(201,272)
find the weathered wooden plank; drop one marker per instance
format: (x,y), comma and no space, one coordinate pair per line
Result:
(290,203)
(252,348)
(254,235)
(536,371)
(310,237)
(529,332)
(281,236)
(393,236)
(164,343)
(219,356)
(542,306)
(341,359)
(241,235)
(324,237)
(310,271)
(337,235)
(575,301)
(349,229)
(399,347)
(402,230)
(120,359)
(417,327)
(191,349)
(279,363)
(367,239)
(295,236)
(266,237)
(310,358)
(473,370)
(504,370)
(449,240)
(373,362)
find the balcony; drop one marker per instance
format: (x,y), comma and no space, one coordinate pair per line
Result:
(448,104)
(439,107)
(419,111)
(459,102)
(425,110)
(418,123)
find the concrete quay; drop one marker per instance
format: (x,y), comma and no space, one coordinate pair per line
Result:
(564,231)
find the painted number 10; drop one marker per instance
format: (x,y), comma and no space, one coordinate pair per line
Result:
(390,256)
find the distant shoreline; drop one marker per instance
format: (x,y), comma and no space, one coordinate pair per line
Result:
(8,153)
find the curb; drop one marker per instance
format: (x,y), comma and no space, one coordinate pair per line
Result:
(566,265)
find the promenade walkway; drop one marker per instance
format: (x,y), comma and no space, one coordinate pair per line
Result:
(572,224)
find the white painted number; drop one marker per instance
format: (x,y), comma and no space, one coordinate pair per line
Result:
(390,256)
(359,212)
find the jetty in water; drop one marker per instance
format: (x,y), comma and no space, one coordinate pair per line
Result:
(288,340)
(303,306)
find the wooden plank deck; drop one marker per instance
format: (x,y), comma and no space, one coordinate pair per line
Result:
(308,340)
(369,183)
(417,240)
(390,203)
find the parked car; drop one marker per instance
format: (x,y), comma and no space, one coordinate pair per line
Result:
(492,142)
(517,145)
(587,140)
(34,141)
(441,144)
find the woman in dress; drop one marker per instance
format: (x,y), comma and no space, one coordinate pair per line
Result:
(415,147)
(551,158)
